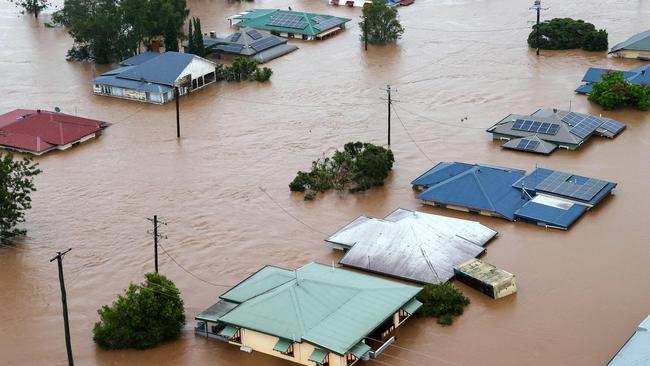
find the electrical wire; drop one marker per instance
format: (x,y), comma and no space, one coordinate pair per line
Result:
(289,213)
(466,30)
(439,122)
(189,272)
(411,137)
(300,105)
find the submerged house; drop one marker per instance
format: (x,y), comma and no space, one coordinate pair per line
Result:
(639,75)
(410,245)
(545,197)
(290,24)
(37,132)
(315,315)
(636,350)
(151,77)
(548,129)
(637,46)
(248,43)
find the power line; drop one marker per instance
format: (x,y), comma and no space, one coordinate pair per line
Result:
(465,31)
(300,105)
(289,213)
(439,122)
(189,272)
(411,137)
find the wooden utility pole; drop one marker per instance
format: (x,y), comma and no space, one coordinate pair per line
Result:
(178,117)
(390,105)
(156,235)
(68,346)
(365,32)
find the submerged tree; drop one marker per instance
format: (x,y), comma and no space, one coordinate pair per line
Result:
(567,33)
(146,315)
(615,92)
(32,6)
(442,301)
(16,185)
(380,24)
(195,38)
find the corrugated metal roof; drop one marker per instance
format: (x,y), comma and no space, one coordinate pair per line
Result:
(639,75)
(331,308)
(163,69)
(638,42)
(140,58)
(113,80)
(412,245)
(636,350)
(214,312)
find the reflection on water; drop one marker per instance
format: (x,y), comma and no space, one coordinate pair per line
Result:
(582,292)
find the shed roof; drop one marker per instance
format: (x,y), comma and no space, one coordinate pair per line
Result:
(304,23)
(484,272)
(412,245)
(638,42)
(636,350)
(331,308)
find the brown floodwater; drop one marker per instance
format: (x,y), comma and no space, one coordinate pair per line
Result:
(581,292)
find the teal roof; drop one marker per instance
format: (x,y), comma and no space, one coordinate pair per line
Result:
(229,331)
(360,349)
(330,308)
(282,345)
(412,306)
(318,356)
(214,312)
(313,23)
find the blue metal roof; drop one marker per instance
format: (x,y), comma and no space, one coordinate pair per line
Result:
(639,75)
(117,71)
(164,69)
(549,215)
(112,80)
(140,58)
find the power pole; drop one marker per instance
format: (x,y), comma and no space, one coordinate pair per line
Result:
(537,6)
(68,346)
(390,105)
(156,236)
(178,117)
(365,32)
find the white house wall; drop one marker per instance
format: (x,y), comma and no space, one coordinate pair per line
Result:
(197,68)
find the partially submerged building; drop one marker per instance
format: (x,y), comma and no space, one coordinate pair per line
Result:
(486,278)
(636,350)
(315,315)
(151,77)
(411,245)
(545,197)
(639,75)
(548,129)
(290,24)
(637,46)
(250,43)
(37,132)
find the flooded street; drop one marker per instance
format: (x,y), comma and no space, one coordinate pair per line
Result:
(581,292)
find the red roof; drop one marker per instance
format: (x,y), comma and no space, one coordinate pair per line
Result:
(37,131)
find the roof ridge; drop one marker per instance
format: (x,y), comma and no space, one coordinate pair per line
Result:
(480,185)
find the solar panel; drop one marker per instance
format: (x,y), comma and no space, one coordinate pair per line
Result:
(586,127)
(255,35)
(546,128)
(232,48)
(319,18)
(266,43)
(235,37)
(573,118)
(613,126)
(528,145)
(567,185)
(288,21)
(327,24)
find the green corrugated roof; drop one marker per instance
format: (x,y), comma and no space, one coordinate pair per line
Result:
(283,345)
(318,355)
(360,349)
(263,280)
(216,311)
(229,331)
(331,308)
(257,18)
(411,306)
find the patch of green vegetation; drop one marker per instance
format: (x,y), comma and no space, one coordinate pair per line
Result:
(358,167)
(243,69)
(567,33)
(616,92)
(380,23)
(443,301)
(16,186)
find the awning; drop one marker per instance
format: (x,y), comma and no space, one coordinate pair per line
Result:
(330,31)
(283,345)
(411,306)
(360,349)
(318,356)
(229,331)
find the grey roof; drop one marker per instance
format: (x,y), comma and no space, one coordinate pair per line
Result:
(640,42)
(163,69)
(637,349)
(563,136)
(249,42)
(542,147)
(275,52)
(411,245)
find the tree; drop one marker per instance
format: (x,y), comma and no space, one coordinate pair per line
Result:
(191,48)
(146,315)
(595,41)
(615,92)
(442,301)
(567,33)
(17,183)
(198,38)
(32,6)
(381,23)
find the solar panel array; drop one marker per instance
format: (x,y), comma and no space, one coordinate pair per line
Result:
(327,24)
(235,37)
(288,21)
(560,183)
(573,118)
(265,43)
(255,35)
(584,125)
(536,126)
(319,18)
(528,145)
(613,126)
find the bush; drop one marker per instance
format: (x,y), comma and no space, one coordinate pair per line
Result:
(16,186)
(358,167)
(443,301)
(567,33)
(262,75)
(381,23)
(243,69)
(146,315)
(615,92)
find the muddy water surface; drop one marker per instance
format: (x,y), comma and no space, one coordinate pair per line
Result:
(581,292)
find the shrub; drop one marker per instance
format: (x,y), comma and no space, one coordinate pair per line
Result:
(358,167)
(146,315)
(615,92)
(262,75)
(595,41)
(567,33)
(443,301)
(243,69)
(381,22)
(16,186)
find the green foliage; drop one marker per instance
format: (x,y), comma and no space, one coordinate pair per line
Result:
(146,315)
(243,69)
(443,301)
(615,92)
(263,74)
(567,33)
(195,38)
(380,23)
(360,166)
(16,184)
(33,7)
(107,31)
